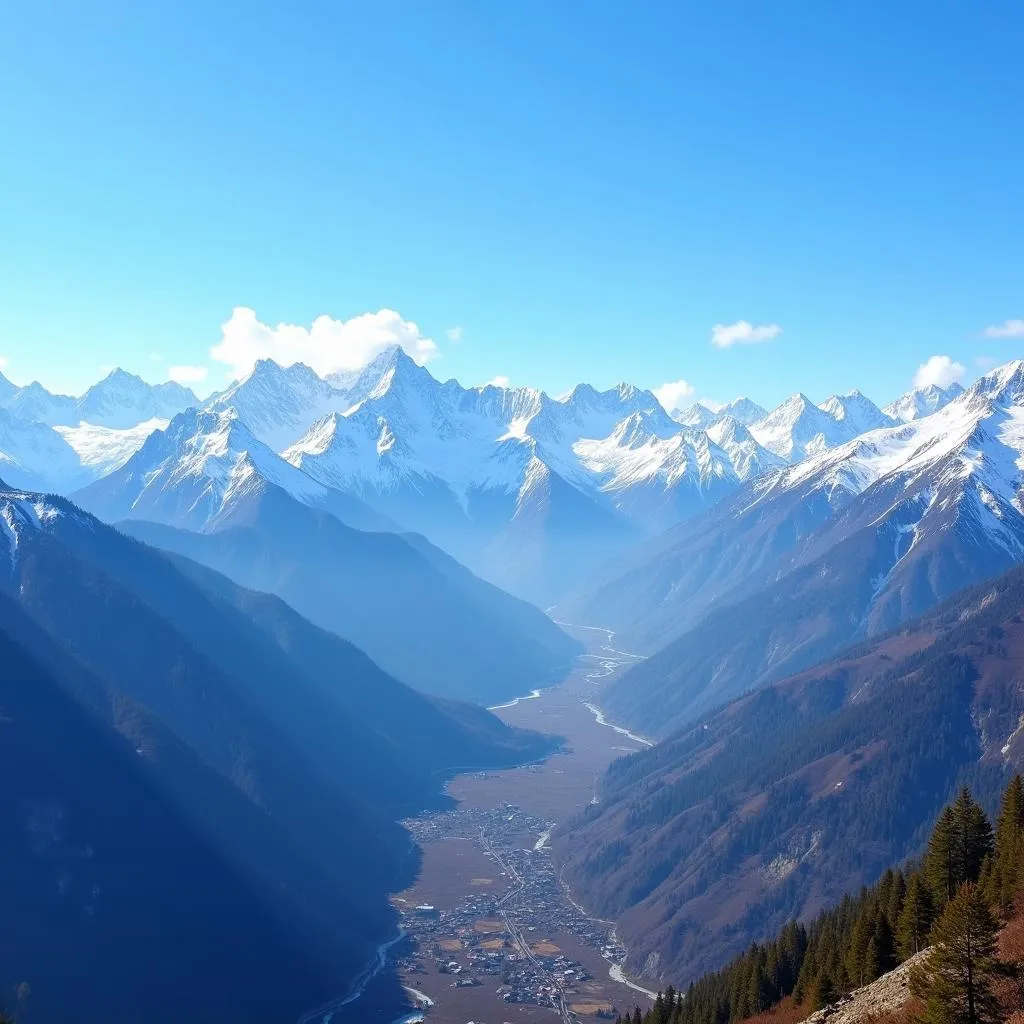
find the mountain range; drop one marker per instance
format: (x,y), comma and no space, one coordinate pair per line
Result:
(184,751)
(206,488)
(530,492)
(783,800)
(806,559)
(59,442)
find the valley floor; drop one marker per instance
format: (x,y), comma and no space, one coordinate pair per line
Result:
(504,940)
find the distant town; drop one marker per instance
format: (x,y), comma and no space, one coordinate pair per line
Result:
(503,936)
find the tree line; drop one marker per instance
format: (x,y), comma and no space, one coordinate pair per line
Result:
(950,903)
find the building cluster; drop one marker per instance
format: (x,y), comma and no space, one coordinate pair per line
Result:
(504,932)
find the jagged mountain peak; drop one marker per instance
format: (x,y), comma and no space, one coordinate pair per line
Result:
(856,412)
(1003,384)
(124,399)
(120,376)
(743,409)
(280,403)
(731,429)
(921,402)
(696,415)
(798,428)
(643,426)
(270,369)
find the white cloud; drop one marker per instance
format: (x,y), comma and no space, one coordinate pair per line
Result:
(454,334)
(501,381)
(187,374)
(743,333)
(1007,329)
(672,393)
(327,346)
(938,370)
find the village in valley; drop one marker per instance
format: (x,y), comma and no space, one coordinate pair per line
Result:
(513,932)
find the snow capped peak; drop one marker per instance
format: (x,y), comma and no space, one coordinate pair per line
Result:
(921,402)
(390,358)
(744,410)
(123,400)
(193,473)
(271,370)
(580,393)
(121,378)
(749,459)
(1004,384)
(729,428)
(627,392)
(280,403)
(696,415)
(856,412)
(795,428)
(641,427)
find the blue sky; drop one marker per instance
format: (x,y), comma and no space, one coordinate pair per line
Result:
(583,190)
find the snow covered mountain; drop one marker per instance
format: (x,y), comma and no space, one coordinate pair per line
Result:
(856,413)
(208,489)
(37,405)
(749,459)
(34,457)
(58,443)
(529,491)
(198,472)
(510,480)
(743,410)
(696,415)
(799,428)
(279,404)
(921,402)
(846,544)
(120,401)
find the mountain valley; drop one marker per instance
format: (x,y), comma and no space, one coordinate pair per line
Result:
(319,585)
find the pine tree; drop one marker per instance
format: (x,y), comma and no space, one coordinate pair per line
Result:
(959,845)
(955,981)
(1005,869)
(882,948)
(974,837)
(894,905)
(856,955)
(915,918)
(940,862)
(824,992)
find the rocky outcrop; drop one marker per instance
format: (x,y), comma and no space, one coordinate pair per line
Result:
(873,1002)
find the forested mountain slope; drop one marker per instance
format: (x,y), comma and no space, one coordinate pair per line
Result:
(784,799)
(922,944)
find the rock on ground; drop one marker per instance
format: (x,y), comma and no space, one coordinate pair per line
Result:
(884,996)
